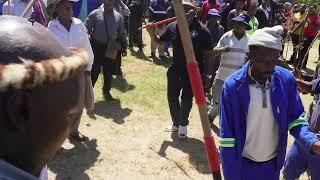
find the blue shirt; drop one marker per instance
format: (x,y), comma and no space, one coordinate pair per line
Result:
(10,172)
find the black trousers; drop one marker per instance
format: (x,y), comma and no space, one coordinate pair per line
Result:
(295,41)
(307,40)
(179,84)
(135,35)
(101,63)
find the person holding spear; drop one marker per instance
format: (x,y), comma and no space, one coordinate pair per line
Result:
(178,80)
(259,105)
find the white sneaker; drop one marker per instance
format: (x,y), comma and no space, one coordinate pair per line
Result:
(171,128)
(183,131)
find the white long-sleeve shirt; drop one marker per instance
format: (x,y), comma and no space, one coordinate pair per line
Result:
(17,8)
(76,37)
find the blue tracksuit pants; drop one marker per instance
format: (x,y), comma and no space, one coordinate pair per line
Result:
(260,170)
(298,161)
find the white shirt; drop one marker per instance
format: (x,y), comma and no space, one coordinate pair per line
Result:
(234,59)
(262,134)
(17,8)
(76,37)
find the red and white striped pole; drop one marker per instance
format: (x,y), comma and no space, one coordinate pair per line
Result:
(197,88)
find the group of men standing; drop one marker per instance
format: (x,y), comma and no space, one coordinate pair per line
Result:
(234,46)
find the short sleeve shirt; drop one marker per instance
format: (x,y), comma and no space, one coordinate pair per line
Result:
(201,41)
(234,59)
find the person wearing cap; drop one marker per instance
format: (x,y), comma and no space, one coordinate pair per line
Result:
(232,48)
(217,32)
(260,103)
(108,37)
(206,6)
(298,159)
(235,12)
(254,23)
(178,80)
(71,32)
(39,92)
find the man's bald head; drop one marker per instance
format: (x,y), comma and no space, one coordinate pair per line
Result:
(39,93)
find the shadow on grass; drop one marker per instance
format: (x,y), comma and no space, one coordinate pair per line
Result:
(112,110)
(72,164)
(191,146)
(121,84)
(165,62)
(139,54)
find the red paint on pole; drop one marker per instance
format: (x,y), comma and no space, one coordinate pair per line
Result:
(196,82)
(212,153)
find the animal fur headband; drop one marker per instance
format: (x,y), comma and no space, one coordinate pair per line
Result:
(30,74)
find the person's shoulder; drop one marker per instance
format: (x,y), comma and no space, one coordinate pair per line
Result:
(228,34)
(284,74)
(52,23)
(76,21)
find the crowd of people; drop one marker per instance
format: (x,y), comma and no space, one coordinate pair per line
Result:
(237,44)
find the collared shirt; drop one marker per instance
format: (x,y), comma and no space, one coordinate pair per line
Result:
(17,8)
(262,133)
(10,172)
(201,41)
(254,23)
(235,58)
(112,32)
(76,37)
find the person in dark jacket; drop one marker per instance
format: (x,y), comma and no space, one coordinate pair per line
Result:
(264,14)
(225,10)
(135,21)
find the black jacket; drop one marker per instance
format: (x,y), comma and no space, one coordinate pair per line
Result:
(262,18)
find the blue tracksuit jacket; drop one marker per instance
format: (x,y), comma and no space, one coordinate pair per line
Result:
(287,109)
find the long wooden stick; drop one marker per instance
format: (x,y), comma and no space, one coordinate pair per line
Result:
(197,88)
(306,55)
(24,13)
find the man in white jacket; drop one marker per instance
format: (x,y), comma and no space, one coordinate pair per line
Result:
(71,32)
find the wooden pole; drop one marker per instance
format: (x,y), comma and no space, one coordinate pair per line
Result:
(24,13)
(197,88)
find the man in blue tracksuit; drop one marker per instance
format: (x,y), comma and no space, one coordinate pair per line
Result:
(298,159)
(259,105)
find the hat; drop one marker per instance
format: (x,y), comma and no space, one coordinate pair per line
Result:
(52,4)
(213,12)
(188,3)
(243,18)
(26,63)
(269,37)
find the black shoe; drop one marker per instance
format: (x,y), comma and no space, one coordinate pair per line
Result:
(108,97)
(162,57)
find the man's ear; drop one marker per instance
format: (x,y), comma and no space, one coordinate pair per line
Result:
(18,110)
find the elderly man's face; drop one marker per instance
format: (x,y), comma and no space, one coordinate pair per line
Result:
(263,61)
(41,120)
(64,10)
